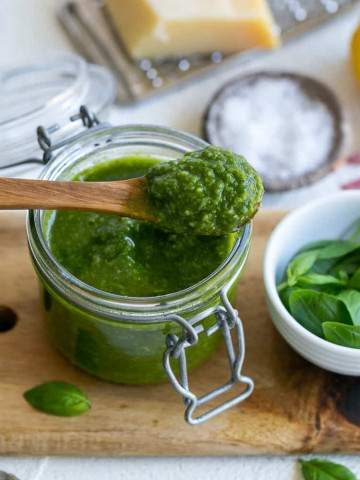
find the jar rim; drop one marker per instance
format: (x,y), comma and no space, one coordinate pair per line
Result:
(109,302)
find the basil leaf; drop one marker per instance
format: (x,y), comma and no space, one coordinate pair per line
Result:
(311,308)
(58,398)
(349,264)
(284,295)
(355,280)
(324,266)
(317,469)
(344,335)
(319,279)
(338,248)
(351,298)
(329,256)
(282,286)
(300,265)
(320,259)
(343,275)
(316,245)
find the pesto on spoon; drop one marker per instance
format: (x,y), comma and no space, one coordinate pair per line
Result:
(207,192)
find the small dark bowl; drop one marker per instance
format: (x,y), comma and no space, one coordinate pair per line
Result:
(314,89)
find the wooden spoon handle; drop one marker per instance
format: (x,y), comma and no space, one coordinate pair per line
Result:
(127,197)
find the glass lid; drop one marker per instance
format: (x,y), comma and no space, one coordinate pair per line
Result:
(48,93)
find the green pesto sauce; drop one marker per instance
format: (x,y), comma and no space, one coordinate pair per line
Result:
(207,192)
(126,256)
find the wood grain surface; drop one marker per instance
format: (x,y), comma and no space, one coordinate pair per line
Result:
(295,408)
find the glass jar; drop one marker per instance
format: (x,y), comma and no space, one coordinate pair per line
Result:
(137,340)
(48,93)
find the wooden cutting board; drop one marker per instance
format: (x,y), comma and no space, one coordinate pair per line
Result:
(295,408)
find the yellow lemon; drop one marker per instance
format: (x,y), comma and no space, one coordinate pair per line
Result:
(355,53)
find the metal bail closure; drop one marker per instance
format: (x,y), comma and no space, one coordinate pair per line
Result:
(89,120)
(227,319)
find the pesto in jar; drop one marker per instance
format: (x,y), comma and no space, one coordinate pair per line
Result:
(130,258)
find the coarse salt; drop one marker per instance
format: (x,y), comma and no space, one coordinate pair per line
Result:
(277,126)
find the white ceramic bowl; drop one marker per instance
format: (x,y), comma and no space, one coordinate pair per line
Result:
(322,219)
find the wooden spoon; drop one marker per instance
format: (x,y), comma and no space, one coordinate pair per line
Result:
(127,198)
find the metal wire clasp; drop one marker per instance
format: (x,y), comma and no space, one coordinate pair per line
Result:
(227,319)
(88,119)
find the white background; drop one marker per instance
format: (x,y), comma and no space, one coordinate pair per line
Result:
(28,29)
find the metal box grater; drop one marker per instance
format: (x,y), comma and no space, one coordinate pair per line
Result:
(90,29)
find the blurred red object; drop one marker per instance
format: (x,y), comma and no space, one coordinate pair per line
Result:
(355,184)
(354,159)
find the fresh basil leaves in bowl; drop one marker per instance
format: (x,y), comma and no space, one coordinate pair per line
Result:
(312,281)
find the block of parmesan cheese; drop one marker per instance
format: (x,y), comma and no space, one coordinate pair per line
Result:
(175,28)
